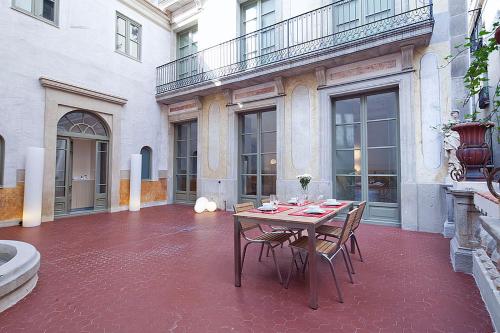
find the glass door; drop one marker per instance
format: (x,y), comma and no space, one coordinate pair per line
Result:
(366,155)
(62,203)
(101,175)
(257,156)
(187,45)
(185,164)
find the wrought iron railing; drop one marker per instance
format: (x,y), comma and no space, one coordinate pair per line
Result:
(338,24)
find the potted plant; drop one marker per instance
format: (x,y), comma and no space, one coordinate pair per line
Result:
(473,152)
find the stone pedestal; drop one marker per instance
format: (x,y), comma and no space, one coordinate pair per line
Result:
(465,240)
(449,223)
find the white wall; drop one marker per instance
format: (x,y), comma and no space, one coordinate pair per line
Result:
(81,51)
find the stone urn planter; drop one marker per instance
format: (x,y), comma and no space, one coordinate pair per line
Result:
(473,152)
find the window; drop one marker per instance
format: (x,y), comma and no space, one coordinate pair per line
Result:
(47,10)
(2,156)
(257,15)
(187,44)
(146,153)
(128,37)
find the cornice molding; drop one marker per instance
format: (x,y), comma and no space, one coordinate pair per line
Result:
(66,87)
(149,11)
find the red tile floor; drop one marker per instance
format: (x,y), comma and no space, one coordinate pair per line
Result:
(165,269)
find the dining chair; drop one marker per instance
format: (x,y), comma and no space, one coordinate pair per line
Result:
(334,231)
(325,249)
(270,239)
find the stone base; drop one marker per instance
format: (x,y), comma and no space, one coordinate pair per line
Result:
(449,229)
(489,291)
(461,258)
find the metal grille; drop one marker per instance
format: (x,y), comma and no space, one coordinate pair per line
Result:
(334,26)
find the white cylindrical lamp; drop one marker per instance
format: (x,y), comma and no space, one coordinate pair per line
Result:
(135,182)
(33,187)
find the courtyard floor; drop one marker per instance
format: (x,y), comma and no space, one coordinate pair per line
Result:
(167,269)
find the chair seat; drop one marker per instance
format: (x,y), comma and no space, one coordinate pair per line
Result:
(329,230)
(322,246)
(277,237)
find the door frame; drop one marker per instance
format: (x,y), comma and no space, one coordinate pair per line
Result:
(363,96)
(188,163)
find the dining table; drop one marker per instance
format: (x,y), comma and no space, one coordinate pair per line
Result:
(293,217)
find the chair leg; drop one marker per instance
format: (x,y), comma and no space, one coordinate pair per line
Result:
(341,299)
(261,248)
(244,254)
(276,264)
(305,263)
(349,258)
(357,245)
(290,270)
(268,246)
(347,265)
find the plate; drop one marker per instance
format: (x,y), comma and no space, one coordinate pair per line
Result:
(338,203)
(314,211)
(267,209)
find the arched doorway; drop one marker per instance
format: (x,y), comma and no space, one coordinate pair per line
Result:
(82,166)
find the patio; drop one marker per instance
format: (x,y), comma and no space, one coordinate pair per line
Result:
(167,269)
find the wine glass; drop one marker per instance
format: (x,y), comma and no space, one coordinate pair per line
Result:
(273,199)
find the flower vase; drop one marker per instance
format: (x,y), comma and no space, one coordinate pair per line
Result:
(304,195)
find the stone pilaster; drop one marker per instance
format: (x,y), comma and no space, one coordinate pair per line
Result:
(465,240)
(449,223)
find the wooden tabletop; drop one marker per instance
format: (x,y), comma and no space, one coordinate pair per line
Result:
(286,217)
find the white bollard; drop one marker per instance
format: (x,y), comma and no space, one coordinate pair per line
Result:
(135,182)
(33,187)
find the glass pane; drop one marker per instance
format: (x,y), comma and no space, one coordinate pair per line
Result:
(181,148)
(192,183)
(120,43)
(268,185)
(268,163)
(348,162)
(134,33)
(348,136)
(249,164)
(193,166)
(60,177)
(102,168)
(181,183)
(382,161)
(146,163)
(268,142)
(382,189)
(267,6)
(120,26)
(268,19)
(61,160)
(269,121)
(348,188)
(102,188)
(250,12)
(134,50)
(194,130)
(181,167)
(347,111)
(182,132)
(250,123)
(60,191)
(48,10)
(102,146)
(24,4)
(249,143)
(382,106)
(61,144)
(100,130)
(193,149)
(249,185)
(382,133)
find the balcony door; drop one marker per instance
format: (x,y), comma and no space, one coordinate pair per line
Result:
(256,15)
(350,14)
(257,156)
(186,159)
(366,154)
(187,42)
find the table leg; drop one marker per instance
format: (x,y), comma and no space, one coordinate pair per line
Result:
(313,268)
(237,253)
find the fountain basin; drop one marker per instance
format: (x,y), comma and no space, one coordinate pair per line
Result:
(19,264)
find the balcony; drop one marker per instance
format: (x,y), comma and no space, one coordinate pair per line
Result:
(300,43)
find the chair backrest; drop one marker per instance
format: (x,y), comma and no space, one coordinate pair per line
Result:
(348,224)
(242,207)
(359,215)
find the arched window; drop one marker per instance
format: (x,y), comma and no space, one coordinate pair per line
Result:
(2,157)
(146,153)
(81,123)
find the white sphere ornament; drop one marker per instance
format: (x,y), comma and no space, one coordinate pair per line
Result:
(199,209)
(211,206)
